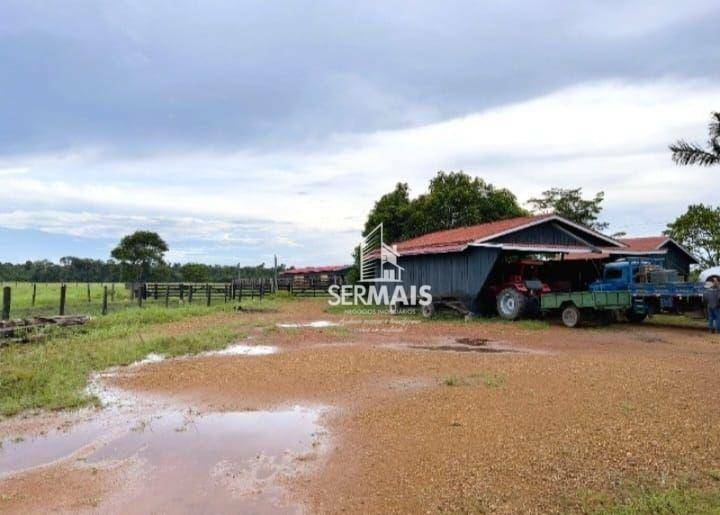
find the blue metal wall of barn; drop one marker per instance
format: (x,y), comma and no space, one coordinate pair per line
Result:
(457,274)
(549,234)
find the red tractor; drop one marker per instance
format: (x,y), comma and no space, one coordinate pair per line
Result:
(517,289)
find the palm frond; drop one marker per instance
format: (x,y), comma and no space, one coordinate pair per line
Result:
(685,153)
(714,127)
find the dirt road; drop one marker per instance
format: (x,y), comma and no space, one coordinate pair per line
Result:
(408,416)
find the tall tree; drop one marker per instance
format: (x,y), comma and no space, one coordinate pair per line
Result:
(569,203)
(698,229)
(140,252)
(392,210)
(454,199)
(684,153)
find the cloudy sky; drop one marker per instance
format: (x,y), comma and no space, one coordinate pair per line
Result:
(240,129)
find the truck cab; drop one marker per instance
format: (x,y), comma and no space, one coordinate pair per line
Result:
(616,276)
(654,289)
(627,274)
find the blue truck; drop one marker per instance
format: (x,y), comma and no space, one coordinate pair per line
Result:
(643,286)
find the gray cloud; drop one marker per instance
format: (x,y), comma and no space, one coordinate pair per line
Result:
(138,76)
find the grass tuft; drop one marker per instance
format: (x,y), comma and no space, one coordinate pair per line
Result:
(452,381)
(677,500)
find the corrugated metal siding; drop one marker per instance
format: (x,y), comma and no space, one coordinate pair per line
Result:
(458,274)
(677,260)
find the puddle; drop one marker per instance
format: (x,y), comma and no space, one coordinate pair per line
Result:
(215,462)
(150,358)
(241,349)
(473,341)
(462,348)
(186,460)
(316,324)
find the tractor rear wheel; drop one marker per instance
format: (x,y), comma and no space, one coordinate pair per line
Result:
(571,316)
(510,304)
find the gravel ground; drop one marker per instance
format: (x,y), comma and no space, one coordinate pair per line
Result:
(567,415)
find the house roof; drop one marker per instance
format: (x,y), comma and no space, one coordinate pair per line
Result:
(644,245)
(645,242)
(316,269)
(456,240)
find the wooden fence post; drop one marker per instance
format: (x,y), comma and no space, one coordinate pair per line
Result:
(252,289)
(88,291)
(239,291)
(207,293)
(104,302)
(140,294)
(155,291)
(6,303)
(262,288)
(190,292)
(225,293)
(167,295)
(33,296)
(112,292)
(181,286)
(63,291)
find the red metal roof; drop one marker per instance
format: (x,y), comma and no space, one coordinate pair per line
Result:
(316,269)
(455,240)
(634,245)
(645,242)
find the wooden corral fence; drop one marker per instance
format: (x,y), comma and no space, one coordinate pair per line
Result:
(309,287)
(203,292)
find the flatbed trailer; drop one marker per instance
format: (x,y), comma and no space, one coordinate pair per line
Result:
(575,306)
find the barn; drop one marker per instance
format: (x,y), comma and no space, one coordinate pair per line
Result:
(467,262)
(331,274)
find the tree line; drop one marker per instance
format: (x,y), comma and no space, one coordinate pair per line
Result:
(76,269)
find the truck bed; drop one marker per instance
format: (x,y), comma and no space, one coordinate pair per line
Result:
(587,299)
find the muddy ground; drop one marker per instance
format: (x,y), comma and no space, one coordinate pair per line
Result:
(418,416)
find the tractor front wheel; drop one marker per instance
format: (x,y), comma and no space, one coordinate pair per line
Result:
(428,310)
(510,304)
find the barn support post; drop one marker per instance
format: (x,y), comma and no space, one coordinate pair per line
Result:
(6,303)
(63,291)
(104,301)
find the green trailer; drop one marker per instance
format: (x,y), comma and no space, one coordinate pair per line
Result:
(577,305)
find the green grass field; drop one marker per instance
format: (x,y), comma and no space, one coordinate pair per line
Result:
(53,373)
(47,298)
